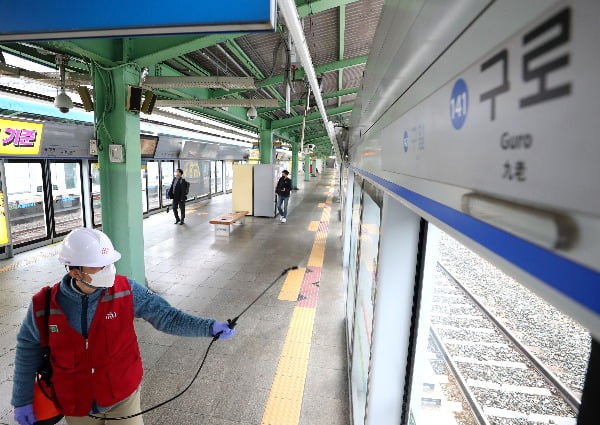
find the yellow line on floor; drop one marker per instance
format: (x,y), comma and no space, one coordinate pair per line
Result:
(285,399)
(313,226)
(291,285)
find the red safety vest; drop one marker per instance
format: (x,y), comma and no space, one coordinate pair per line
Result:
(107,368)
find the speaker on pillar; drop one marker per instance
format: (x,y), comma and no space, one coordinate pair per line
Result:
(134,98)
(149,101)
(86,98)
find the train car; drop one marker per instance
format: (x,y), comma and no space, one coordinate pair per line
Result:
(476,129)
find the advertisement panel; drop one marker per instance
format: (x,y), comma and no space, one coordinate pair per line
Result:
(20,137)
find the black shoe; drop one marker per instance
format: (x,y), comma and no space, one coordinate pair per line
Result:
(176,221)
(181,223)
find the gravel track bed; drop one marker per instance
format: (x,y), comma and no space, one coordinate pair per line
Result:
(553,337)
(485,353)
(523,402)
(467,335)
(504,376)
(461,322)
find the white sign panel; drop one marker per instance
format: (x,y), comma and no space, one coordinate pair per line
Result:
(523,122)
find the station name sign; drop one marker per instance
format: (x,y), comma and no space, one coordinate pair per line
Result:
(20,137)
(49,20)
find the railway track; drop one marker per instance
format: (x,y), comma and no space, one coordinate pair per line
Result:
(502,381)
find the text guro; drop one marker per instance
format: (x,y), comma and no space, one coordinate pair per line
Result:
(517,141)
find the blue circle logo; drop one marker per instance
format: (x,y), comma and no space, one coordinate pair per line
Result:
(405,140)
(459,104)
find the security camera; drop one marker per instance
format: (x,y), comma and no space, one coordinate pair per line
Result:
(63,102)
(310,146)
(252,114)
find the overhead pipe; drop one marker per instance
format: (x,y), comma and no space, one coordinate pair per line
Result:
(292,20)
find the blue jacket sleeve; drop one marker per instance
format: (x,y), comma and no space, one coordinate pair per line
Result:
(28,358)
(166,318)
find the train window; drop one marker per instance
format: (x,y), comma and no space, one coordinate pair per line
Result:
(351,280)
(144,189)
(366,287)
(228,176)
(66,193)
(95,194)
(166,170)
(26,208)
(197,173)
(496,350)
(219,177)
(153,185)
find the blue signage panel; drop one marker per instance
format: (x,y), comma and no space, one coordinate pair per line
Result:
(46,20)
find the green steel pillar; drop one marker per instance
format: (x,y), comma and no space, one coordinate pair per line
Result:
(120,183)
(295,148)
(266,144)
(306,167)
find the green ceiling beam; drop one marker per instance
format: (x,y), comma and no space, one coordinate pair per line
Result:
(278,79)
(317,6)
(244,59)
(321,69)
(152,50)
(232,115)
(256,73)
(341,33)
(290,122)
(329,95)
(316,137)
(195,68)
(104,51)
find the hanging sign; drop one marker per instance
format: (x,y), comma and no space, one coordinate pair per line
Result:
(49,20)
(520,123)
(20,137)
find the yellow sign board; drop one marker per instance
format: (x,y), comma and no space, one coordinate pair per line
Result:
(20,137)
(3,225)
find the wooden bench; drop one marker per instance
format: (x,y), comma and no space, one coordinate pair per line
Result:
(223,222)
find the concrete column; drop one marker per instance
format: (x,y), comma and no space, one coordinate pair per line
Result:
(306,167)
(266,145)
(295,149)
(120,183)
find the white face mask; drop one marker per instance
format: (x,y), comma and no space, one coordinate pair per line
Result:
(105,278)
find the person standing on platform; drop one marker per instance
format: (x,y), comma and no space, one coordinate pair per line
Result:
(178,193)
(283,191)
(89,329)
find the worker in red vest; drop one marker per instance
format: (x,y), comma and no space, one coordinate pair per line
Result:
(95,357)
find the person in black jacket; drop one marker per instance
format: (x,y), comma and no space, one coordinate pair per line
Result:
(178,193)
(283,191)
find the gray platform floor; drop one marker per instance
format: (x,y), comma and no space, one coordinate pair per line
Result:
(216,277)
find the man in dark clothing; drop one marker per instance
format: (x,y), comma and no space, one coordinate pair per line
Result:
(283,190)
(178,193)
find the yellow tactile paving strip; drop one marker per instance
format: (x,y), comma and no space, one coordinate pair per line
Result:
(285,399)
(291,285)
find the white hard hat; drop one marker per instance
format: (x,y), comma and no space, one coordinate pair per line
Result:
(87,247)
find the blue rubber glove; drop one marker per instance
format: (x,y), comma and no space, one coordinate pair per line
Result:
(24,415)
(222,327)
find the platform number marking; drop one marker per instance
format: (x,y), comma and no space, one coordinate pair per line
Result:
(405,140)
(459,104)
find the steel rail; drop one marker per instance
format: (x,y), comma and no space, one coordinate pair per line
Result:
(564,391)
(462,383)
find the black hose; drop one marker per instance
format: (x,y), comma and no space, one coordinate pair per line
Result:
(232,323)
